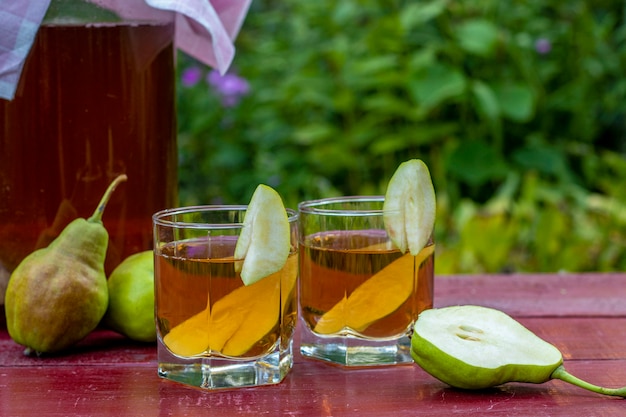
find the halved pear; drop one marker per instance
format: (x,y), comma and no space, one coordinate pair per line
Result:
(264,242)
(475,347)
(410,205)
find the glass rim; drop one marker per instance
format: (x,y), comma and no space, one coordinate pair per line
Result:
(315,206)
(158,218)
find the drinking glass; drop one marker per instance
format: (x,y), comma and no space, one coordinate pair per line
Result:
(214,331)
(359,295)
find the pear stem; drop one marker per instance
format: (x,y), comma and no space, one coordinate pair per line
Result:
(97,214)
(563,375)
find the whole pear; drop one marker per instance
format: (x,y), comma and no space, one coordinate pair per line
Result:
(131,298)
(58,294)
(474,347)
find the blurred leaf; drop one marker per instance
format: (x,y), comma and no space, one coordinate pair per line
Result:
(544,159)
(422,58)
(479,236)
(374,65)
(486,101)
(412,135)
(314,133)
(418,13)
(475,162)
(517,101)
(435,84)
(385,102)
(550,227)
(477,36)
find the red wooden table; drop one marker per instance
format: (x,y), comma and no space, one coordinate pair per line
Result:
(583,315)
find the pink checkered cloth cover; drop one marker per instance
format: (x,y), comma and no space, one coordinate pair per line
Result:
(205,29)
(19,21)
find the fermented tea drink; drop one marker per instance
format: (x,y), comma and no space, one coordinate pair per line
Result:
(215,329)
(197,279)
(94,101)
(334,264)
(359,294)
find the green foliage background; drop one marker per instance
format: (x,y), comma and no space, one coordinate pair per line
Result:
(526,146)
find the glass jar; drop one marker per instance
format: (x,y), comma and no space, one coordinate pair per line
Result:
(96,99)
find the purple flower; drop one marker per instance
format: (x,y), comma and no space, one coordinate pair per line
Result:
(230,87)
(191,76)
(543,46)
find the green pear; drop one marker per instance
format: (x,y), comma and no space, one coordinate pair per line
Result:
(473,347)
(131,298)
(58,294)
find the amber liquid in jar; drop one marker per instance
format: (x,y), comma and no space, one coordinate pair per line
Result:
(94,101)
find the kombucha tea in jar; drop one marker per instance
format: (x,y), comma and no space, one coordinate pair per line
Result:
(95,100)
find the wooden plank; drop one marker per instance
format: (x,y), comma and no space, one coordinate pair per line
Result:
(582,338)
(100,347)
(576,337)
(537,295)
(310,390)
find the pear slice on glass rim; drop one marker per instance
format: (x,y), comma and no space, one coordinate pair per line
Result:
(410,205)
(474,347)
(264,242)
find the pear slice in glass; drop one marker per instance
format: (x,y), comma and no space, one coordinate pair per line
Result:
(409,208)
(474,347)
(264,242)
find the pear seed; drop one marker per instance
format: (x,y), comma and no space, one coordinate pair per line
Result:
(468,337)
(470,329)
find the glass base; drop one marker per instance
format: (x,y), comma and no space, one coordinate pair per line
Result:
(219,373)
(354,351)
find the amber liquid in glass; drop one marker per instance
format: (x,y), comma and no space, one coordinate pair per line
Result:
(334,264)
(194,276)
(93,102)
